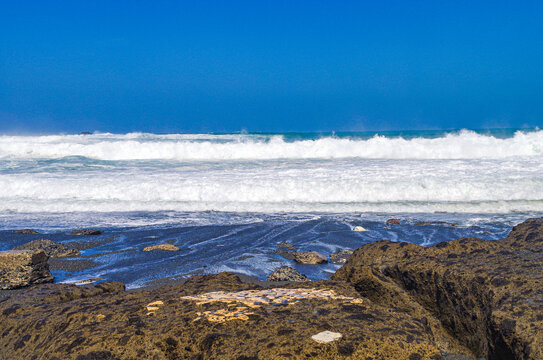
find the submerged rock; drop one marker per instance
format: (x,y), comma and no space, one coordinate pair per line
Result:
(303,257)
(488,294)
(310,257)
(164,247)
(20,268)
(24,231)
(285,245)
(52,249)
(286,273)
(87,232)
(341,256)
(427,223)
(393,222)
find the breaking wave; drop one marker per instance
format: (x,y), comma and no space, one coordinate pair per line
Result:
(464,144)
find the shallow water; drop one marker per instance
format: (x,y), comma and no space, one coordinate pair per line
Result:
(211,242)
(227,199)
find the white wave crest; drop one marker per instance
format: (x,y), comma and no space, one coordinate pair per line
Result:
(137,146)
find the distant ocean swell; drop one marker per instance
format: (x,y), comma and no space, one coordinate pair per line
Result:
(455,172)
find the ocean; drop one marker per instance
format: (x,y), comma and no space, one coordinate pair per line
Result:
(228,199)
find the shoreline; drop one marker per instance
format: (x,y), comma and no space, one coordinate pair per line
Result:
(462,299)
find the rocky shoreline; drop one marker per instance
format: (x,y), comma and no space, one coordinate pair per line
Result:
(463,299)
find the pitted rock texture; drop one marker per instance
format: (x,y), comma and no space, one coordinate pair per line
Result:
(488,294)
(286,273)
(51,248)
(20,268)
(173,322)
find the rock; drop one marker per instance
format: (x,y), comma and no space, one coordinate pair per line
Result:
(326,337)
(341,256)
(286,273)
(285,245)
(52,249)
(427,223)
(87,232)
(287,254)
(24,231)
(393,222)
(208,317)
(164,247)
(20,268)
(359,228)
(304,257)
(310,257)
(487,294)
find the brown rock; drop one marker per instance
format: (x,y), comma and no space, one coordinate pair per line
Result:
(488,294)
(303,257)
(286,273)
(285,245)
(103,322)
(393,222)
(24,231)
(20,268)
(52,249)
(310,257)
(341,256)
(164,247)
(86,232)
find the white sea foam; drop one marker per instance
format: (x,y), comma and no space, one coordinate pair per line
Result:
(460,172)
(461,145)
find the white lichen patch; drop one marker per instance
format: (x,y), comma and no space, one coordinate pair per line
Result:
(326,337)
(154,306)
(257,298)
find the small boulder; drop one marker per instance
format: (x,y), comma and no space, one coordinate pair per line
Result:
(359,228)
(52,249)
(310,257)
(24,232)
(340,257)
(393,222)
(304,257)
(20,268)
(164,247)
(286,273)
(87,232)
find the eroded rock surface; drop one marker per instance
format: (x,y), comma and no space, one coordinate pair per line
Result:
(51,248)
(286,273)
(208,317)
(488,294)
(20,268)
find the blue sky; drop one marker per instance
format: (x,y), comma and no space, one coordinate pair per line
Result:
(200,66)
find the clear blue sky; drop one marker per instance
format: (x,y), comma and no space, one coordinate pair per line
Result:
(191,66)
